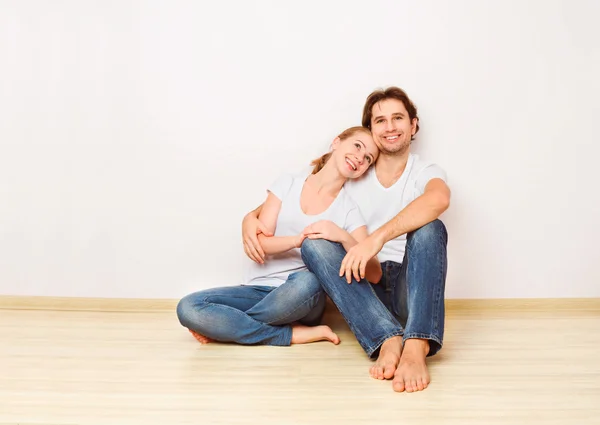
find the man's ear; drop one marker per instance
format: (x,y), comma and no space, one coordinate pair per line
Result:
(336,142)
(413,126)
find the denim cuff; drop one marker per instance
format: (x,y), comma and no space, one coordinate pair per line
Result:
(286,336)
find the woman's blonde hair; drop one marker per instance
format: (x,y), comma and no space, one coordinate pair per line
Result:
(319,163)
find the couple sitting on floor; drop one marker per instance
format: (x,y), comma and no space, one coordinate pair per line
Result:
(361,227)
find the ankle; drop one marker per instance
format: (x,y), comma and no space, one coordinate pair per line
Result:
(393,340)
(416,346)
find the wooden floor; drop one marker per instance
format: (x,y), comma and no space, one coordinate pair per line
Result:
(497,367)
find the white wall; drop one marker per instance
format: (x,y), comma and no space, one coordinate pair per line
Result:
(135,135)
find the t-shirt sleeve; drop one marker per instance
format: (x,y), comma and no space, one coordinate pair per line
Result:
(428,173)
(281,187)
(354,219)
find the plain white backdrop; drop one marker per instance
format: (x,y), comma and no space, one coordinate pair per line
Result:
(134,135)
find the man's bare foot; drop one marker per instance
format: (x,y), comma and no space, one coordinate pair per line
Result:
(412,374)
(388,359)
(201,338)
(302,334)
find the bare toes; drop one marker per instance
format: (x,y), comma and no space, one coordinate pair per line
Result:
(376,372)
(388,371)
(398,385)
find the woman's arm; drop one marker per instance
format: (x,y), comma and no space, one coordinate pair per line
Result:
(268,217)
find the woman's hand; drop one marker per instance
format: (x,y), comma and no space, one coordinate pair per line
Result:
(299,239)
(251,227)
(325,229)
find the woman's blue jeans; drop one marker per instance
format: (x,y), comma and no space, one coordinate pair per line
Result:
(409,299)
(254,314)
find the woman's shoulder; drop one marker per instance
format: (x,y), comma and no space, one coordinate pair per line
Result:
(346,201)
(303,173)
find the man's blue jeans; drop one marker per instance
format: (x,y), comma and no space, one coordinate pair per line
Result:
(409,299)
(254,314)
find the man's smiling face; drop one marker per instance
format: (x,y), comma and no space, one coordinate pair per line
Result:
(391,126)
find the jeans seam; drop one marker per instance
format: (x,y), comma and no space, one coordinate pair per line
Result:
(207,299)
(438,292)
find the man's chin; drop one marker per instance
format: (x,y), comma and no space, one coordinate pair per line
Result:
(394,150)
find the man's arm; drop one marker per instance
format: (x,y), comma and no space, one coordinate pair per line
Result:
(373,272)
(251,227)
(424,209)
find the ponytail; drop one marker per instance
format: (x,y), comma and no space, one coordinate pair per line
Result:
(319,163)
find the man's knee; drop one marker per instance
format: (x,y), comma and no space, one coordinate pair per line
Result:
(319,250)
(313,247)
(433,232)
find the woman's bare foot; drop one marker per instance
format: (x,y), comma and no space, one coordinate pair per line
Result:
(302,334)
(201,338)
(412,374)
(388,359)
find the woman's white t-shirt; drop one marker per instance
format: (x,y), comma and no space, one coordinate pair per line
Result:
(291,221)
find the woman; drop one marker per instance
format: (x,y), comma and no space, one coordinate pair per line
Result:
(280,300)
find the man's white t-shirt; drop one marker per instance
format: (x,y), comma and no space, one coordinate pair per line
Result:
(378,204)
(291,221)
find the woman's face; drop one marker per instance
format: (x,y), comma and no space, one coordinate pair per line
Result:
(354,155)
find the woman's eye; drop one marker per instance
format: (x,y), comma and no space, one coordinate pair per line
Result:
(357,145)
(369,160)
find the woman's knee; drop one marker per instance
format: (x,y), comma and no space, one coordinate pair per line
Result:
(183,309)
(188,309)
(307,285)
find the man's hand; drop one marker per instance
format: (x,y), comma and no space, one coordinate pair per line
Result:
(355,261)
(325,229)
(251,227)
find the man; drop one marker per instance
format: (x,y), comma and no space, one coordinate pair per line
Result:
(401,317)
